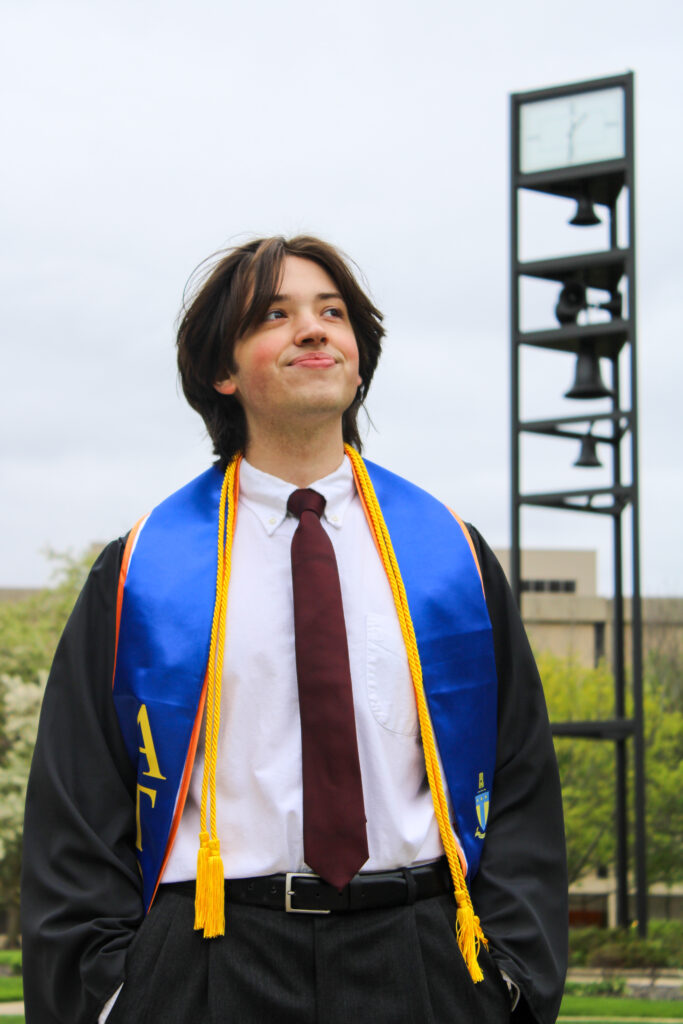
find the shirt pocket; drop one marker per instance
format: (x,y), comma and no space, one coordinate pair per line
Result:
(390,686)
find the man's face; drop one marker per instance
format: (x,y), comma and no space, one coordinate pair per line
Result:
(301,362)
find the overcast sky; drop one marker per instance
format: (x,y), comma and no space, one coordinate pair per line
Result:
(139,137)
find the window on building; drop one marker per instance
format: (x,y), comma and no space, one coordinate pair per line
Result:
(549,586)
(598,642)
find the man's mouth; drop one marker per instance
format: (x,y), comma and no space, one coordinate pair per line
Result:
(317,361)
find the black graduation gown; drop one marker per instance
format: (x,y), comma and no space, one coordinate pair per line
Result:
(81,889)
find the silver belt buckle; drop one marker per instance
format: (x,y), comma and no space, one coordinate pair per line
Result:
(289,892)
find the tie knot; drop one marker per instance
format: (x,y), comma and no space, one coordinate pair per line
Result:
(305,500)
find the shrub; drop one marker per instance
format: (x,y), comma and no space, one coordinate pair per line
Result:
(623,947)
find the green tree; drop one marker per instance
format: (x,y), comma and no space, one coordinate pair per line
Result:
(29,632)
(587,767)
(21,709)
(664,773)
(30,627)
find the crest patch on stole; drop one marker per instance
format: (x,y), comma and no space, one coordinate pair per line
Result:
(481,803)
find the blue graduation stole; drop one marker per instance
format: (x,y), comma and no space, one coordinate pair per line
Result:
(166,610)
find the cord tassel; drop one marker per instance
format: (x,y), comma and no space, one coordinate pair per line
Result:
(469,935)
(214,923)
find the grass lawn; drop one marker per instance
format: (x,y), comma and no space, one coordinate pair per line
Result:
(11,989)
(605,1007)
(12,1019)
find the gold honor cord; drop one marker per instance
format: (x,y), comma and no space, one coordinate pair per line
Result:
(210,889)
(468,927)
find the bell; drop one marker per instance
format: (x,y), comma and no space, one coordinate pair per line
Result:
(570,303)
(587,382)
(585,216)
(588,456)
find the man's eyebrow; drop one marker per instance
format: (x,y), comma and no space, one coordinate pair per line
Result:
(321,295)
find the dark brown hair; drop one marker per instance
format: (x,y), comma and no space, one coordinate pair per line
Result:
(232,297)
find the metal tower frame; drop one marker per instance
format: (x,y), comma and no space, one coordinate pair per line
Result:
(600,182)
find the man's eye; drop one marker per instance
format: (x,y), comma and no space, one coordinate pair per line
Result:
(334,311)
(274,314)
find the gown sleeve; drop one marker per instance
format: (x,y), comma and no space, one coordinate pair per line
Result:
(81,890)
(520,890)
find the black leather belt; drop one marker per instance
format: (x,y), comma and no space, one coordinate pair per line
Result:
(300,892)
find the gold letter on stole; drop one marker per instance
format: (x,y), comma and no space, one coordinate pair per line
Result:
(148,746)
(152,794)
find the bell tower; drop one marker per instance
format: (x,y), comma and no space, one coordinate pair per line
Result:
(574,144)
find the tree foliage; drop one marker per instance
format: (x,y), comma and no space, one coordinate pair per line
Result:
(21,708)
(588,769)
(664,780)
(30,628)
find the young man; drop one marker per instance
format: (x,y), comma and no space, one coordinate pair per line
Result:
(322,787)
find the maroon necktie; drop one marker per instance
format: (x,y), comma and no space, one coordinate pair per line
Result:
(335,841)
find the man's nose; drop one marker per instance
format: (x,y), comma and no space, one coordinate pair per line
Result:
(310,331)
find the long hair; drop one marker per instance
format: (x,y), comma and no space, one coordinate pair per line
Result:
(232,297)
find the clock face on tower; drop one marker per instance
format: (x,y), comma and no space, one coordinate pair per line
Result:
(582,128)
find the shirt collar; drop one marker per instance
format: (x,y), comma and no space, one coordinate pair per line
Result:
(267,495)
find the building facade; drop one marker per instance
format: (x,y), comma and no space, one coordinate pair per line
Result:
(564,614)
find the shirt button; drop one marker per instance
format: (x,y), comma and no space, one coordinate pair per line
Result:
(272,521)
(335,519)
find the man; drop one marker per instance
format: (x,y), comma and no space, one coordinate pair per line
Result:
(363,757)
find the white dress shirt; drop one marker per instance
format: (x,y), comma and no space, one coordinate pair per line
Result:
(258,778)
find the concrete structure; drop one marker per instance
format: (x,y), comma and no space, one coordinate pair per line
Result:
(15,593)
(593,901)
(565,615)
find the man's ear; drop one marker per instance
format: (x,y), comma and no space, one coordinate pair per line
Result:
(225,387)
